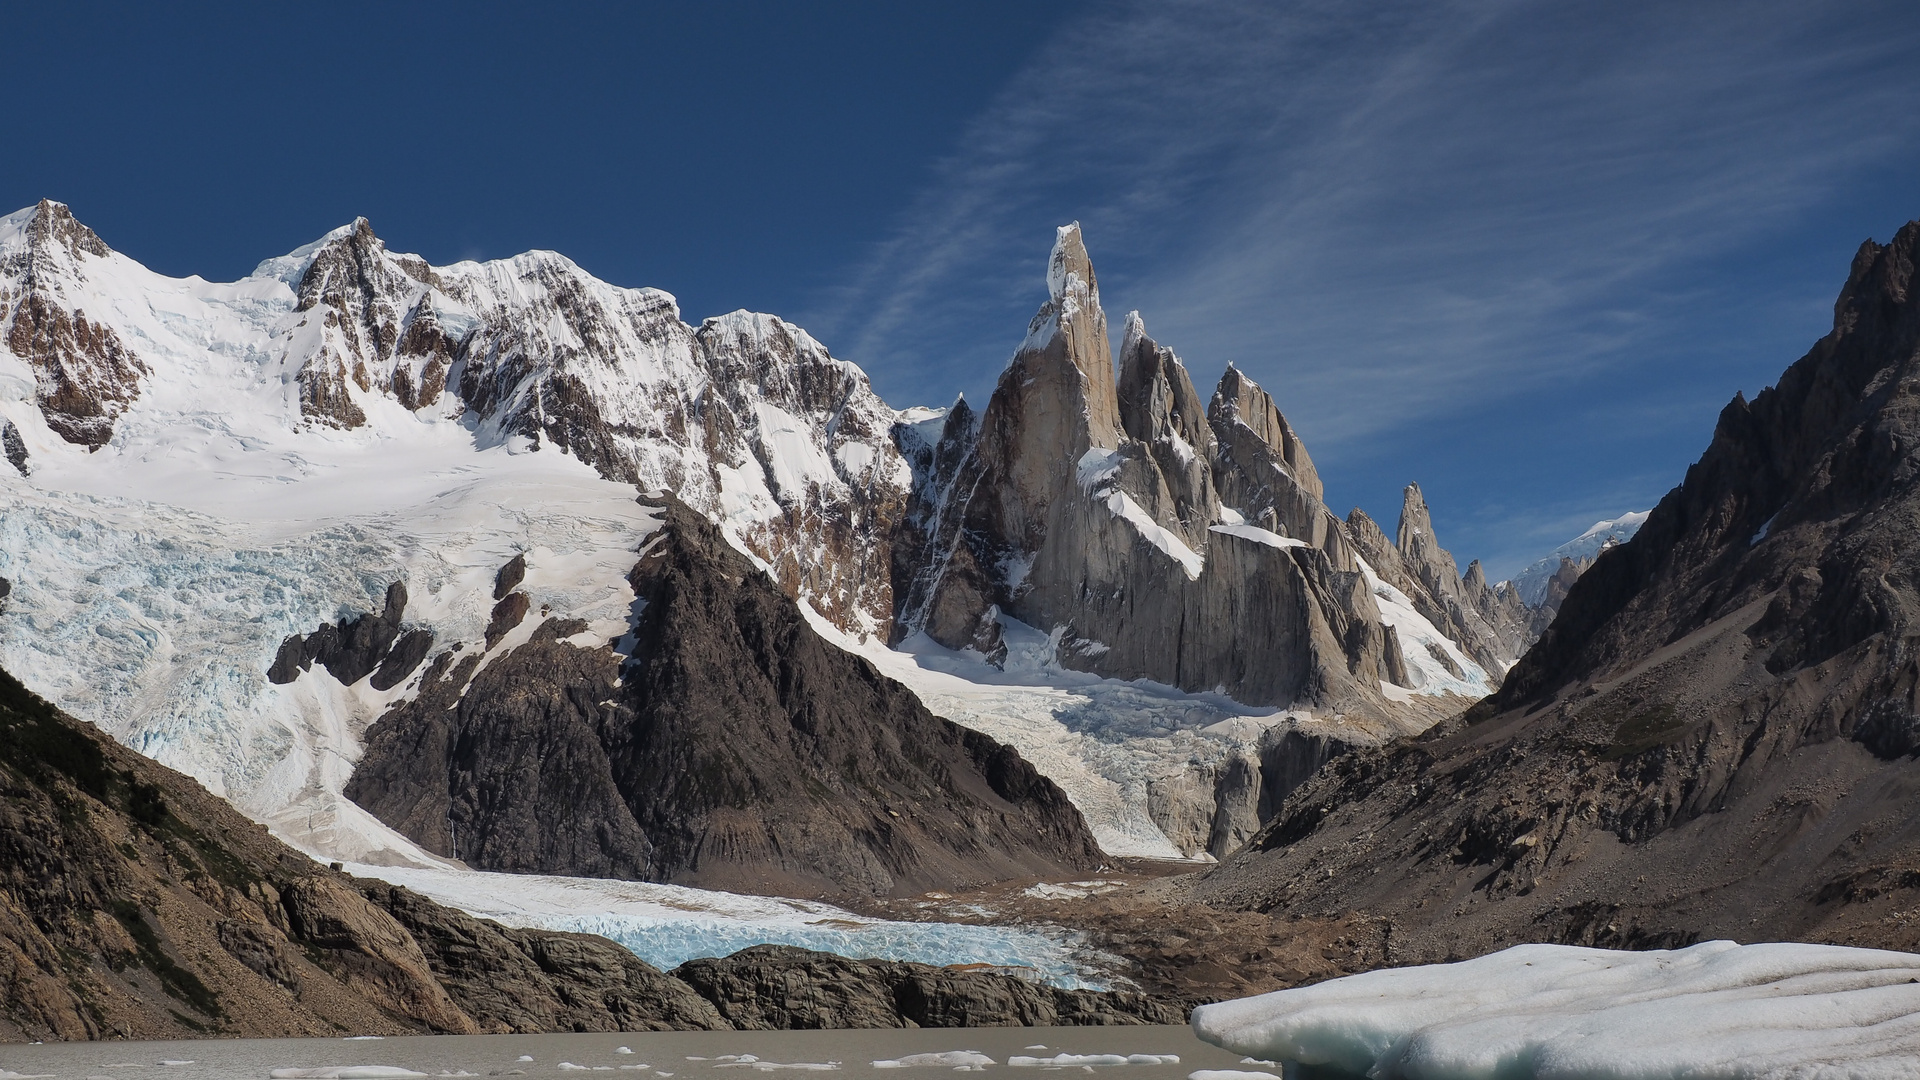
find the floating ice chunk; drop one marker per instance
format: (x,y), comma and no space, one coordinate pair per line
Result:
(363,1038)
(344,1072)
(524,1057)
(172,1061)
(9,1074)
(748,1061)
(623,1049)
(1062,1060)
(1717,1008)
(952,1059)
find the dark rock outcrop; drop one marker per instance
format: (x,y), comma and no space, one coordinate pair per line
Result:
(510,576)
(735,748)
(1716,737)
(369,644)
(14,447)
(778,987)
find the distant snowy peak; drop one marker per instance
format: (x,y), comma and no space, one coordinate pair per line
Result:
(746,417)
(1533,582)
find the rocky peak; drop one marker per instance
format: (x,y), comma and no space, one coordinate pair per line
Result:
(54,226)
(1430,563)
(1240,400)
(377,325)
(84,374)
(1488,628)
(1160,410)
(1069,335)
(1110,514)
(1265,474)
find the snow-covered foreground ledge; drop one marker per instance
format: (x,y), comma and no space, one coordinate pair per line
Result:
(1717,1009)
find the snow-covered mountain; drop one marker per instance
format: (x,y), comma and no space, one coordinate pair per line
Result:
(203,472)
(745,417)
(1533,582)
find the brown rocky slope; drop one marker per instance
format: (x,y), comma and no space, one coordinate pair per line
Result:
(134,904)
(735,749)
(1717,736)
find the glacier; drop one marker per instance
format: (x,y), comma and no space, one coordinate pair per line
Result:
(1771,1011)
(667,925)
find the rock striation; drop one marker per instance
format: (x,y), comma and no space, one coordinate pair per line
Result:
(1717,735)
(730,746)
(1156,536)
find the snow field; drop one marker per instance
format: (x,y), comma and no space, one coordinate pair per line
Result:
(1774,1011)
(1417,635)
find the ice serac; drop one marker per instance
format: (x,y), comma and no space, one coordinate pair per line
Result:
(85,375)
(733,748)
(1153,535)
(1719,729)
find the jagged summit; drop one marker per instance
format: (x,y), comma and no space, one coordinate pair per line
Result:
(1187,543)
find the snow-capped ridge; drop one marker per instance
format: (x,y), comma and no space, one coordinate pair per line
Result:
(342,335)
(1533,581)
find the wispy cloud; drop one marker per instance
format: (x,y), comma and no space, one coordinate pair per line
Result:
(1398,215)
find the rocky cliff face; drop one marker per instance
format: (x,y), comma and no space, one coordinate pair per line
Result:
(730,746)
(1155,537)
(1717,735)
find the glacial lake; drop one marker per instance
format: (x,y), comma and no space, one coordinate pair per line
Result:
(680,1055)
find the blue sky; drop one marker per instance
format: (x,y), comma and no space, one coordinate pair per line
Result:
(1521,252)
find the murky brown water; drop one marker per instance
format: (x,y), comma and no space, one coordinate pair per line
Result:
(678,1055)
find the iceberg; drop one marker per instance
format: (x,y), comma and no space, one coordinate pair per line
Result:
(1778,1011)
